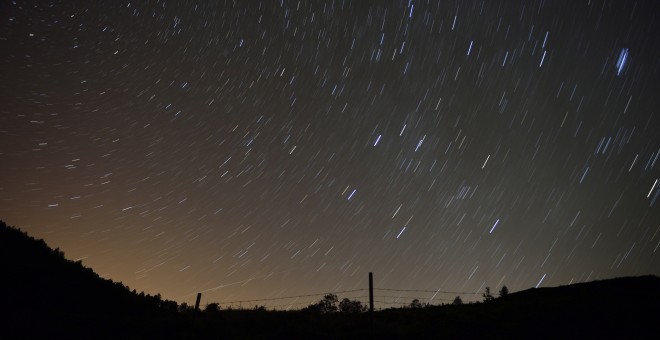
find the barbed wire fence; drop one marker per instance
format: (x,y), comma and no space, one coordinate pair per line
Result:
(383,298)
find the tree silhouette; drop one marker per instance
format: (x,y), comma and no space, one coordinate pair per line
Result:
(457,301)
(351,306)
(327,305)
(168,305)
(504,291)
(487,295)
(183,307)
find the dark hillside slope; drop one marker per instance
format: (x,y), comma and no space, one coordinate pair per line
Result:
(620,308)
(623,308)
(44,294)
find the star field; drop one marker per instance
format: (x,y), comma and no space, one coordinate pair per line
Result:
(259,149)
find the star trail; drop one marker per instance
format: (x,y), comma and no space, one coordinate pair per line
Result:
(264,149)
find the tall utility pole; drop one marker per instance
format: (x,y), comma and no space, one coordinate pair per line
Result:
(371,291)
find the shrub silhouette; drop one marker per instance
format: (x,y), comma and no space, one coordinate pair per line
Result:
(212,308)
(416,304)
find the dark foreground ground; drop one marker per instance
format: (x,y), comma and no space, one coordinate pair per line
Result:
(43,295)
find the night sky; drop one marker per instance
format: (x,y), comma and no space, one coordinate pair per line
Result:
(253,150)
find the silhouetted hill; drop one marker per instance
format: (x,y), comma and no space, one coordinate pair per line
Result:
(43,295)
(622,308)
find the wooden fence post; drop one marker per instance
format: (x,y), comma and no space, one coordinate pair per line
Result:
(371,292)
(199,297)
